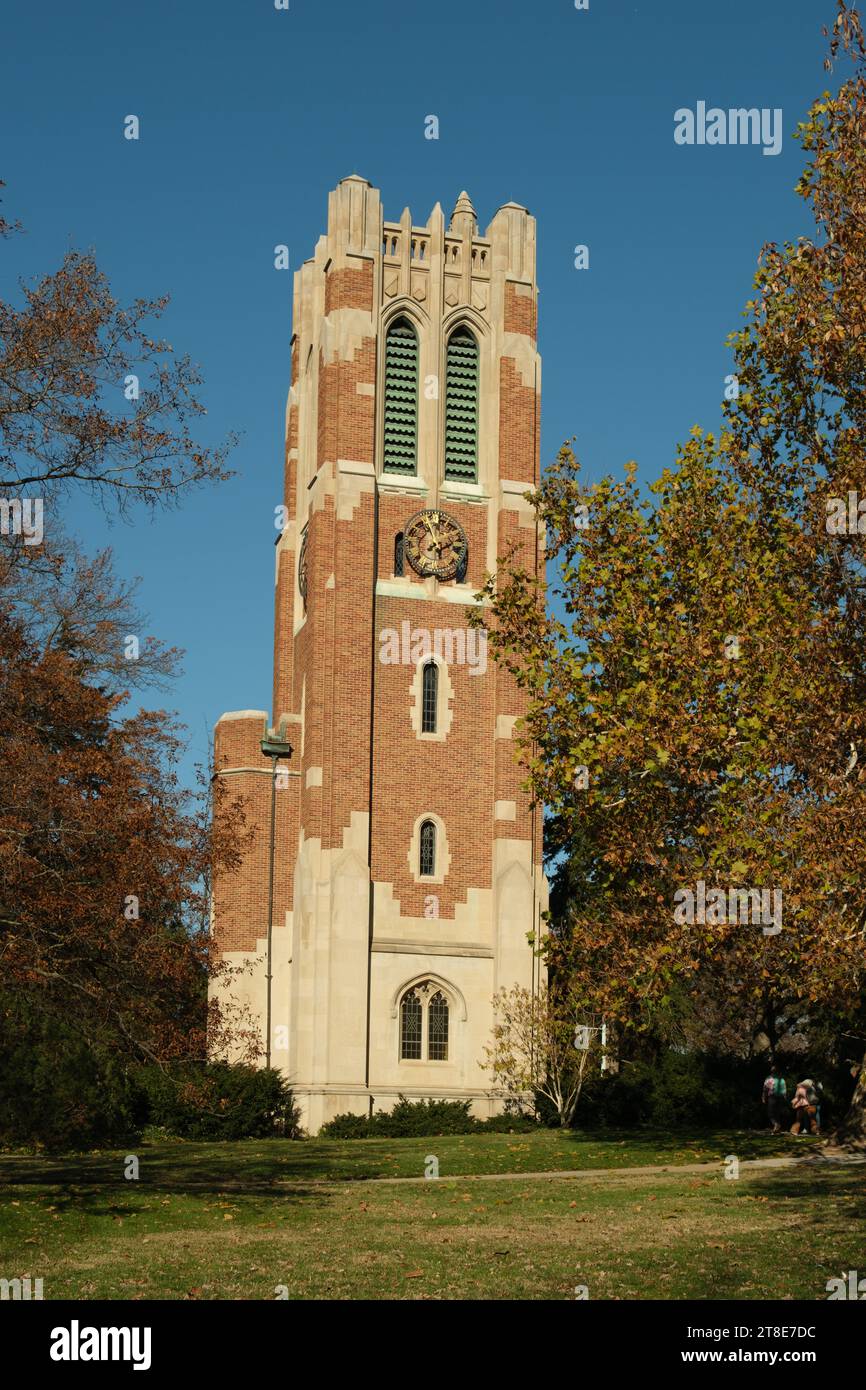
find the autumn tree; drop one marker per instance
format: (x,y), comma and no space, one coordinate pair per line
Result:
(798,440)
(543,1046)
(90,400)
(7,228)
(697,690)
(66,600)
(105,860)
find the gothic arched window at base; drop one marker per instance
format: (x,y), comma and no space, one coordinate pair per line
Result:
(437,1028)
(424,1018)
(411,1027)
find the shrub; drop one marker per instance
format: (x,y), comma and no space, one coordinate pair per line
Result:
(59,1090)
(408,1119)
(219,1100)
(508,1124)
(423,1119)
(346,1126)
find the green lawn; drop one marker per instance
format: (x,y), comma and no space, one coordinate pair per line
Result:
(236,1220)
(265,1161)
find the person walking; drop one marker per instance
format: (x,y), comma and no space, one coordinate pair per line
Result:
(813,1099)
(805,1104)
(773,1096)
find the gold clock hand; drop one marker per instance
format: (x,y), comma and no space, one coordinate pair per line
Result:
(434,537)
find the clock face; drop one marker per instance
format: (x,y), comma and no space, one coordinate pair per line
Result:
(435,544)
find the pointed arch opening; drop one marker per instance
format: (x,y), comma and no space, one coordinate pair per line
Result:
(411,1026)
(429,698)
(461,406)
(400,426)
(427,850)
(425,1022)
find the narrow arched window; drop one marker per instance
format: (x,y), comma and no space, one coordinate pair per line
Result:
(429,697)
(461,407)
(437,1028)
(398,555)
(427,855)
(400,431)
(411,1026)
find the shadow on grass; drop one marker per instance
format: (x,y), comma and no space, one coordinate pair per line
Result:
(824,1183)
(219,1168)
(263,1167)
(94,1199)
(647,1147)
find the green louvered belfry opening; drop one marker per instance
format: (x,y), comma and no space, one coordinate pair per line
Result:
(401,399)
(461,407)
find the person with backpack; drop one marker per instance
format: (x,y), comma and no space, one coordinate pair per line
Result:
(773,1097)
(806,1104)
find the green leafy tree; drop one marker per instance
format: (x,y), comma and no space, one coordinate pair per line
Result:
(697,690)
(543,1046)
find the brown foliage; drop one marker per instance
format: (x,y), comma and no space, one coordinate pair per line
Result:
(104,863)
(64,417)
(743,770)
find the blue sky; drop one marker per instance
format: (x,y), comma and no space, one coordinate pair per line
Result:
(250,115)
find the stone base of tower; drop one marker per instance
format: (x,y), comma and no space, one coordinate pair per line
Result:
(337,1005)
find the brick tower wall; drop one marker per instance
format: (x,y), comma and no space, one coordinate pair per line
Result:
(334,693)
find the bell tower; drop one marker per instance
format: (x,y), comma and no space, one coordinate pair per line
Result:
(407,866)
